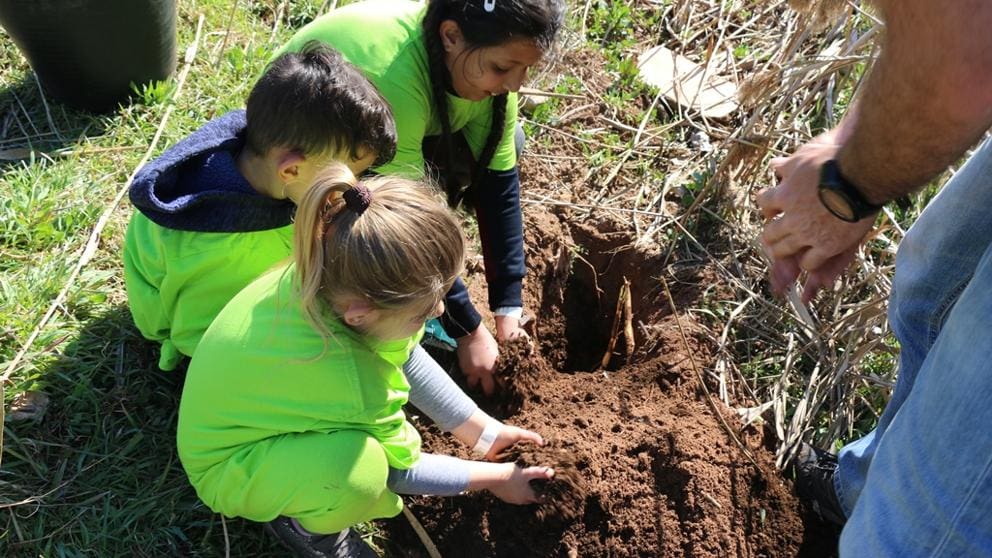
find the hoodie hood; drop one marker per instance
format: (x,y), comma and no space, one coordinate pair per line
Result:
(195,185)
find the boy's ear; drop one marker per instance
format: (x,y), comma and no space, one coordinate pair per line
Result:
(451,35)
(288,165)
(360,314)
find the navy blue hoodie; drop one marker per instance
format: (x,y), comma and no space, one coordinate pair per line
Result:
(195,185)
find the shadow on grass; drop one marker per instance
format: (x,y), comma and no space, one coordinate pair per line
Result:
(30,121)
(97,474)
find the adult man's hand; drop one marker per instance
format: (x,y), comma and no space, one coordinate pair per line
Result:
(800,233)
(784,273)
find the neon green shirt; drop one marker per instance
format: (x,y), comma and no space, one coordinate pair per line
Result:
(261,371)
(384,39)
(178,281)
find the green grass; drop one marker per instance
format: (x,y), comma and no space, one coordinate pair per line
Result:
(43,205)
(97,473)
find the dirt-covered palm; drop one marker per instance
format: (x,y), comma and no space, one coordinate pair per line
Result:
(510,435)
(516,488)
(477,354)
(509,327)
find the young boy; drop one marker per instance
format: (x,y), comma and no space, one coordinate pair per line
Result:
(215,211)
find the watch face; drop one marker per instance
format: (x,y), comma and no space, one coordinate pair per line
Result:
(838,204)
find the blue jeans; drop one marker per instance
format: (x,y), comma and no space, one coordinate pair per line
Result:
(920,484)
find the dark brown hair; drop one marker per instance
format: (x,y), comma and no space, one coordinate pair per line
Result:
(314,101)
(538,20)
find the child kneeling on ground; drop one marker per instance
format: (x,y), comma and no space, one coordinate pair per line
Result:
(291,412)
(215,210)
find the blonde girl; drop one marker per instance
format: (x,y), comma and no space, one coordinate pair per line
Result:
(292,411)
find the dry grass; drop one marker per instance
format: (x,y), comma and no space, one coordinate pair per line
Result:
(822,373)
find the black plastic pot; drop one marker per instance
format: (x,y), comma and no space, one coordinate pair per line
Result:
(88,52)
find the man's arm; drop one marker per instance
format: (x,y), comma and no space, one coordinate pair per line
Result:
(928,99)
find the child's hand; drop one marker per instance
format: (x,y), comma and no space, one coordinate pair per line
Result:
(509,435)
(515,487)
(508,327)
(477,354)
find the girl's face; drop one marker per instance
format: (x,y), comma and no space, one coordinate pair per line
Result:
(389,325)
(486,71)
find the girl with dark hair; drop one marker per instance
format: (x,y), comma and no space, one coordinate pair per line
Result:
(450,69)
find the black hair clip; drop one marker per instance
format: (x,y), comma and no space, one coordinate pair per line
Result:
(357,198)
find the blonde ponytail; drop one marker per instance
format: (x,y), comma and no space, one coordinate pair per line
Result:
(313,218)
(399,248)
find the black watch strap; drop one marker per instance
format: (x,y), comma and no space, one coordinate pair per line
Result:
(838,188)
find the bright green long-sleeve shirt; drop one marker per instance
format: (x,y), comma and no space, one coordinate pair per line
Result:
(384,39)
(262,370)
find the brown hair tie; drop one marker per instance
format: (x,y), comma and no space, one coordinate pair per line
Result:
(357,198)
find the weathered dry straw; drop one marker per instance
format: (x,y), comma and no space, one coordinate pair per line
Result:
(804,368)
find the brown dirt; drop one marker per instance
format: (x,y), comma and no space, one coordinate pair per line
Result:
(643,466)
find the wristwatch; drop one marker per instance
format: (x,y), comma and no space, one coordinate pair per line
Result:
(842,198)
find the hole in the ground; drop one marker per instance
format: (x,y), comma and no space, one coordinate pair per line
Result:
(607,293)
(586,333)
(589,286)
(577,273)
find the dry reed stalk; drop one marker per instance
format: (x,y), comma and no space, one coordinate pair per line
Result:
(615,328)
(425,539)
(280,12)
(227,32)
(628,321)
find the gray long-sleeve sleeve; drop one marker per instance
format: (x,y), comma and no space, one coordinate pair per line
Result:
(435,393)
(433,475)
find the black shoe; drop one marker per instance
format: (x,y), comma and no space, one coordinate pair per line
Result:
(813,470)
(346,544)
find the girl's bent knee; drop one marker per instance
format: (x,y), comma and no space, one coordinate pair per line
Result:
(369,468)
(357,472)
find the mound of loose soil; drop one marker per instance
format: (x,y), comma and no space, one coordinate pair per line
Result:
(643,465)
